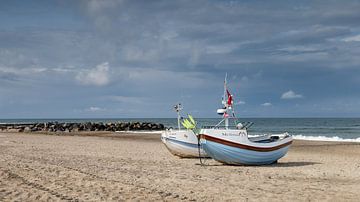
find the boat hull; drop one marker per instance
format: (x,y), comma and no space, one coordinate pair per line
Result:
(182,143)
(244,152)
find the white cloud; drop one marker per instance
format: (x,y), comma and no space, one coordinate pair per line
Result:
(352,38)
(169,35)
(240,103)
(98,76)
(266,104)
(94,109)
(290,95)
(63,70)
(23,71)
(295,49)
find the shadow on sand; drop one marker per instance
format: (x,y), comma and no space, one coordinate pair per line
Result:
(281,164)
(292,164)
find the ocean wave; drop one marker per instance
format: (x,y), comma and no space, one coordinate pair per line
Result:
(141,132)
(324,138)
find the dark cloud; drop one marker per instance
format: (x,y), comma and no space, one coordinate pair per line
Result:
(158,53)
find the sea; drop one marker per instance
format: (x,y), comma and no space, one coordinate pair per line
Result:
(320,129)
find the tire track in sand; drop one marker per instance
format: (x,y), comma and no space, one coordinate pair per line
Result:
(164,195)
(38,186)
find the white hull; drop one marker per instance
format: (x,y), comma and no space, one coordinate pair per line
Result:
(234,147)
(182,143)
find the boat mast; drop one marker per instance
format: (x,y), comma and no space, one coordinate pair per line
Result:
(226,116)
(178,108)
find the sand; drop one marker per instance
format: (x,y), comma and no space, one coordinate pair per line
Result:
(115,167)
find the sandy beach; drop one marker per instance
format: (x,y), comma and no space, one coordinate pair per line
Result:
(113,167)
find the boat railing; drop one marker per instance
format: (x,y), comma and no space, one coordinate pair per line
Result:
(244,125)
(247,125)
(218,127)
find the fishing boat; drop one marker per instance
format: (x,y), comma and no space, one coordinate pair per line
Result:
(183,142)
(232,145)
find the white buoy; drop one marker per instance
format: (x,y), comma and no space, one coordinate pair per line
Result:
(221,111)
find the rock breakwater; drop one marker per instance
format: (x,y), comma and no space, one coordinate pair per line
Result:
(86,126)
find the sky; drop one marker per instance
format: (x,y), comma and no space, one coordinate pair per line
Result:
(136,59)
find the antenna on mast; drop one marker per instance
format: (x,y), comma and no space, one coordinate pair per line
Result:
(227,111)
(178,108)
(226,114)
(224,96)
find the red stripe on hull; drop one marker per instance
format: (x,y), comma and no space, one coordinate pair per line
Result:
(242,146)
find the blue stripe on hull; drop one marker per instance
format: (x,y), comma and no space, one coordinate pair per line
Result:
(233,155)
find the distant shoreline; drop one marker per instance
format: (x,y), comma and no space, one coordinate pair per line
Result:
(318,129)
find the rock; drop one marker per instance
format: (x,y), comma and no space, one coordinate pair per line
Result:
(33,129)
(39,125)
(64,125)
(161,126)
(13,130)
(88,126)
(102,127)
(27,129)
(21,128)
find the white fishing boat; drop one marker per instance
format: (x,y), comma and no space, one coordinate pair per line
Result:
(232,145)
(183,142)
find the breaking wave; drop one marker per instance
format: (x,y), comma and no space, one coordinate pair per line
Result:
(323,138)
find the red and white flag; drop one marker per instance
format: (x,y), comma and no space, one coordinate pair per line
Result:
(230,99)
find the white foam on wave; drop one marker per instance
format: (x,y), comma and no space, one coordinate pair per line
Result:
(141,132)
(324,138)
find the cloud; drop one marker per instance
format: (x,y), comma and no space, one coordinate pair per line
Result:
(300,49)
(23,71)
(290,95)
(352,38)
(169,49)
(96,6)
(98,76)
(266,104)
(240,103)
(94,109)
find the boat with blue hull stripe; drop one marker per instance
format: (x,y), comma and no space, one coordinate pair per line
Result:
(232,145)
(263,145)
(236,156)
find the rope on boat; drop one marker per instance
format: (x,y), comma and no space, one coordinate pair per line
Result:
(199,149)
